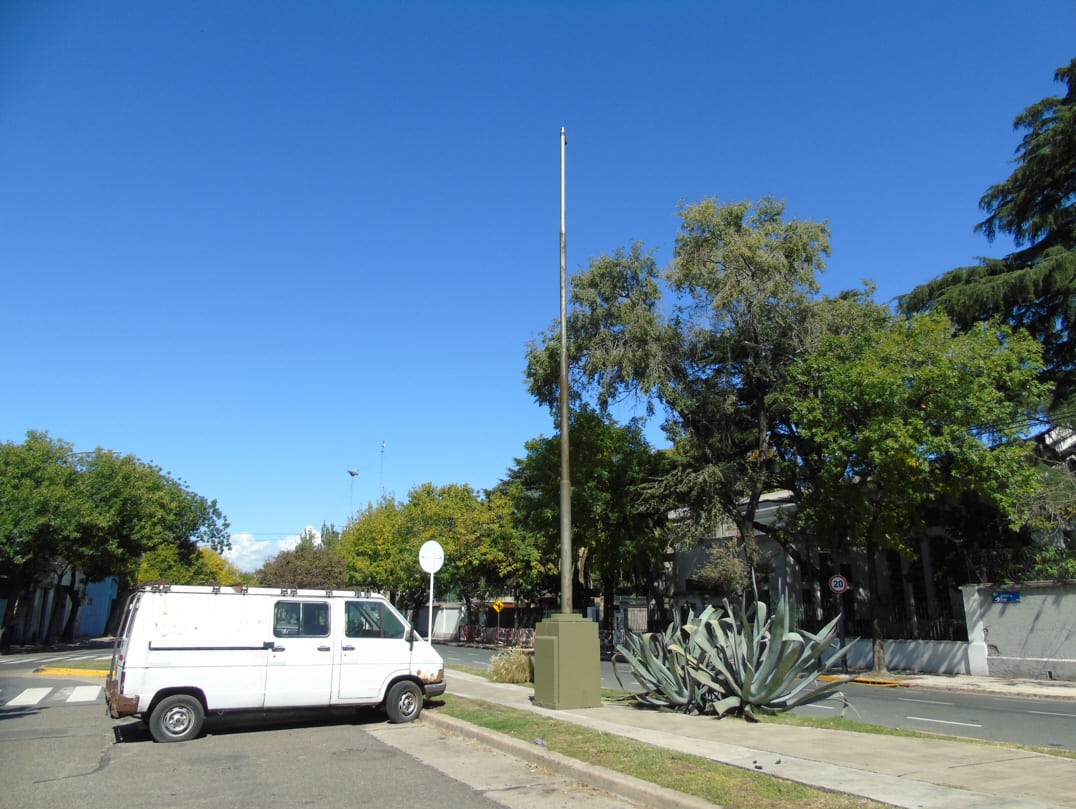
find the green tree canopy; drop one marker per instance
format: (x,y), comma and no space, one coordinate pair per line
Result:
(889,421)
(307,565)
(712,356)
(1033,288)
(177,565)
(485,553)
(617,528)
(93,512)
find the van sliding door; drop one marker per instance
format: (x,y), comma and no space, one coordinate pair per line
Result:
(300,662)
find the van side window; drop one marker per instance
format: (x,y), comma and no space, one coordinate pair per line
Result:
(371,619)
(298,619)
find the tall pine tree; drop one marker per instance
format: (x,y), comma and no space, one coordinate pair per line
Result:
(1033,288)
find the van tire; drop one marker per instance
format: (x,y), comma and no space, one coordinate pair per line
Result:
(404,702)
(176,719)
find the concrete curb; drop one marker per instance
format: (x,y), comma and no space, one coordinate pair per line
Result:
(616,783)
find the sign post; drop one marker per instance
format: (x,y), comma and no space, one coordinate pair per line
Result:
(839,585)
(430,557)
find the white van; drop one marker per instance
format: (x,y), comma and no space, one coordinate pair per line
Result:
(184,651)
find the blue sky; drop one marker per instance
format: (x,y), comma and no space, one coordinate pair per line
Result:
(263,243)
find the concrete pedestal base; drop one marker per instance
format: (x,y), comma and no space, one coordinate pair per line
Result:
(567,663)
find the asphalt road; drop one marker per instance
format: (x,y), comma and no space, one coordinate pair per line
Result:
(1034,722)
(59,752)
(1047,723)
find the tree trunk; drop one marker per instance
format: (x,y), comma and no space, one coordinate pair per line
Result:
(608,597)
(11,606)
(115,612)
(56,616)
(877,638)
(748,542)
(73,593)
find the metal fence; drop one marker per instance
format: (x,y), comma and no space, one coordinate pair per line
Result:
(509,637)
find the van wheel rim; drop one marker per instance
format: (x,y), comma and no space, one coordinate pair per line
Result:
(407,703)
(178,720)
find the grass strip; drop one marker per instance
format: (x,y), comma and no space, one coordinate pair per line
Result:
(722,784)
(839,723)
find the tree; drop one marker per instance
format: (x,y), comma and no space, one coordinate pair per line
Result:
(330,535)
(616,527)
(370,544)
(38,508)
(485,552)
(309,538)
(724,570)
(519,562)
(889,421)
(177,565)
(741,283)
(307,565)
(1034,288)
(95,513)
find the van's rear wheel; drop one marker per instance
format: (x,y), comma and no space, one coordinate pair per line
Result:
(404,702)
(176,719)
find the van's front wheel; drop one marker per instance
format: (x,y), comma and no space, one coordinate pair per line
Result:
(404,702)
(176,719)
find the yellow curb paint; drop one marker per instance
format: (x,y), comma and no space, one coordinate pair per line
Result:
(866,681)
(73,672)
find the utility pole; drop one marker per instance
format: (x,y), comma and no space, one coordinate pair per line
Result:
(565,471)
(567,653)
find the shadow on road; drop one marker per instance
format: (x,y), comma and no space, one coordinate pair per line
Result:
(135,731)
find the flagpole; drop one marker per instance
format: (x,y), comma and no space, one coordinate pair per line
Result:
(567,652)
(565,479)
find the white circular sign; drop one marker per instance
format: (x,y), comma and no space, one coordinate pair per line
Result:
(838,584)
(431,556)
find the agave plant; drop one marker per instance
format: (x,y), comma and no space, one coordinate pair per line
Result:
(661,671)
(744,662)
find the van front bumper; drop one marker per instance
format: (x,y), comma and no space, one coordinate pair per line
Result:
(435,689)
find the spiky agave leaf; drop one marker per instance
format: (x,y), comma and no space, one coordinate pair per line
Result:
(749,661)
(661,672)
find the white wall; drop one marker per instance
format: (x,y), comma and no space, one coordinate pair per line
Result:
(1025,630)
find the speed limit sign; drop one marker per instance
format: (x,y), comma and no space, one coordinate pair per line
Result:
(838,584)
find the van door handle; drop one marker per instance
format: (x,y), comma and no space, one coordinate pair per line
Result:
(347,648)
(323,648)
(278,648)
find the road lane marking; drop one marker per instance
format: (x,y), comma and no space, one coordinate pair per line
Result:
(85,693)
(945,722)
(1051,713)
(30,696)
(926,701)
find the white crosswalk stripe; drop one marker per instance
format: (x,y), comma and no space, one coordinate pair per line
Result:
(69,694)
(85,693)
(31,696)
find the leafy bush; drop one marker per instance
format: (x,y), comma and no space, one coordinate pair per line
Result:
(512,666)
(733,662)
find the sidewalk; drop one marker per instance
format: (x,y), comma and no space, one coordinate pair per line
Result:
(904,772)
